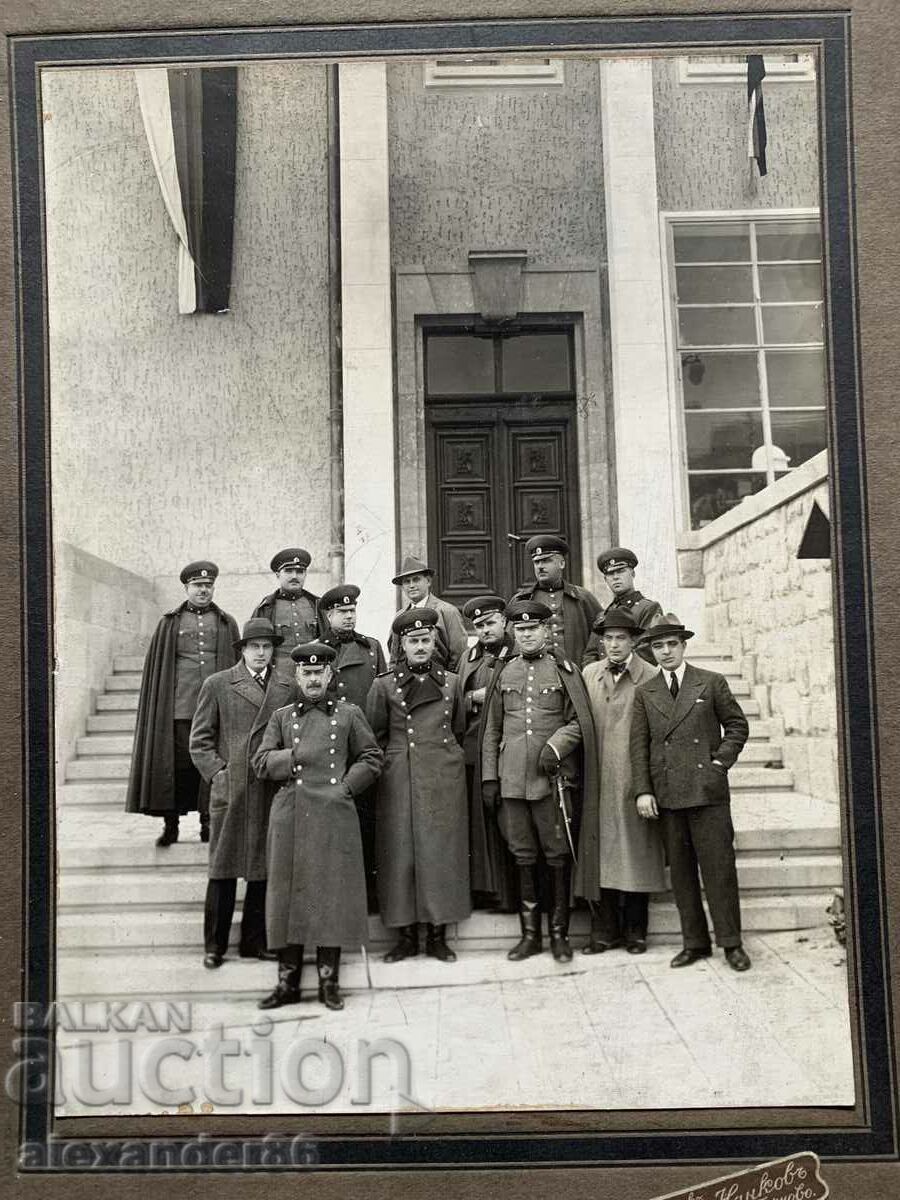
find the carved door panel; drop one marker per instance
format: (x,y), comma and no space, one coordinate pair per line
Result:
(495,469)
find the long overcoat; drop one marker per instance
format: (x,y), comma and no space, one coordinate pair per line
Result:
(232,713)
(673,742)
(324,755)
(421,814)
(151,784)
(580,608)
(358,661)
(492,866)
(617,848)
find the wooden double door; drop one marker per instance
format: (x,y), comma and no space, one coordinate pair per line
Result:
(495,469)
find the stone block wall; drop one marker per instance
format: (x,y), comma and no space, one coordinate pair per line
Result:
(775,612)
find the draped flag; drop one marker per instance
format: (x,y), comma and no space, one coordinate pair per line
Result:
(756,131)
(190,119)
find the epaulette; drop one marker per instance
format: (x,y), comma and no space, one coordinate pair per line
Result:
(565,664)
(504,650)
(473,653)
(384,674)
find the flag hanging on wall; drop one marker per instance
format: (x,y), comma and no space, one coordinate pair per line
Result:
(190,118)
(756,131)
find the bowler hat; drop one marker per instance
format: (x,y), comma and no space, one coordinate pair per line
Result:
(413,619)
(412,566)
(258,629)
(293,556)
(314,654)
(527,612)
(206,572)
(546,543)
(483,606)
(615,557)
(341,596)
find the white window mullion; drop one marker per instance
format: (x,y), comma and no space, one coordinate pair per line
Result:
(761,359)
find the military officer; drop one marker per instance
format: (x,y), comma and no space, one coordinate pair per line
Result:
(617,566)
(620,856)
(421,818)
(291,608)
(191,642)
(359,659)
(687,731)
(492,867)
(537,717)
(233,710)
(572,608)
(323,754)
(415,578)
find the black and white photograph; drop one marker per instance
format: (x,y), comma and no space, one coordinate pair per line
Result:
(444,690)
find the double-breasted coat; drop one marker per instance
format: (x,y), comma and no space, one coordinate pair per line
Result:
(324,755)
(673,742)
(421,814)
(228,725)
(579,608)
(617,847)
(359,660)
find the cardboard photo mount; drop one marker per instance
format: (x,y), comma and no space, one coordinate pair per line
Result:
(641,1154)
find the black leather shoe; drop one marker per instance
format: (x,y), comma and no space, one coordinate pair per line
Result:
(638,946)
(685,957)
(595,946)
(436,944)
(330,995)
(212,961)
(169,834)
(406,947)
(737,958)
(262,952)
(204,831)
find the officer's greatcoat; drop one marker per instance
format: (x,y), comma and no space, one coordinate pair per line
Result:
(617,847)
(421,818)
(324,754)
(359,660)
(578,609)
(232,713)
(151,785)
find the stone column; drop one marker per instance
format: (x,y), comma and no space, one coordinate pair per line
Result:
(369,472)
(645,415)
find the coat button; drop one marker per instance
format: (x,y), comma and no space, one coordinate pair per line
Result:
(411,745)
(334,781)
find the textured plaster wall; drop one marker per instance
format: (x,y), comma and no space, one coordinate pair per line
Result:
(177,437)
(776,611)
(483,168)
(701,145)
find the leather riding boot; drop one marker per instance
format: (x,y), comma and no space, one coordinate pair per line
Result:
(328,963)
(204,827)
(529,918)
(436,943)
(559,916)
(287,989)
(170,830)
(407,945)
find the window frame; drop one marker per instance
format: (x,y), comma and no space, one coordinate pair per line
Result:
(668,220)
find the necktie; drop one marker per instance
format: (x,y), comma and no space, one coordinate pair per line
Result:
(673,686)
(261,680)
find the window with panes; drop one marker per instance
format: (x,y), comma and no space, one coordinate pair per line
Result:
(747,298)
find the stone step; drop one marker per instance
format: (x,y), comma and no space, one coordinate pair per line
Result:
(122,702)
(760,752)
(754,778)
(698,648)
(749,705)
(128,681)
(107,795)
(764,730)
(125,664)
(104,745)
(99,768)
(124,722)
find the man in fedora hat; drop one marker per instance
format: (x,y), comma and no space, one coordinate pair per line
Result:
(536,721)
(232,712)
(617,566)
(492,866)
(415,578)
(620,856)
(291,608)
(190,643)
(572,608)
(687,731)
(359,659)
(421,818)
(323,755)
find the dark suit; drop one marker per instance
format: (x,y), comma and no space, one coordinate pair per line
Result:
(673,743)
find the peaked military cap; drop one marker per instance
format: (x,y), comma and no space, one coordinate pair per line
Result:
(617,618)
(258,629)
(412,566)
(615,557)
(294,556)
(527,612)
(483,606)
(670,626)
(413,619)
(205,571)
(341,596)
(546,543)
(314,654)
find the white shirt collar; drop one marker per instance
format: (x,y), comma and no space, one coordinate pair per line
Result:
(679,674)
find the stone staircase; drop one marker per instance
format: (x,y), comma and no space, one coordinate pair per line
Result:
(129,916)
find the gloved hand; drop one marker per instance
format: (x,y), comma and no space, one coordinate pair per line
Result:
(490,794)
(548,760)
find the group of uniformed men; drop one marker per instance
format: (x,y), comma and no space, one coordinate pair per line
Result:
(566,756)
